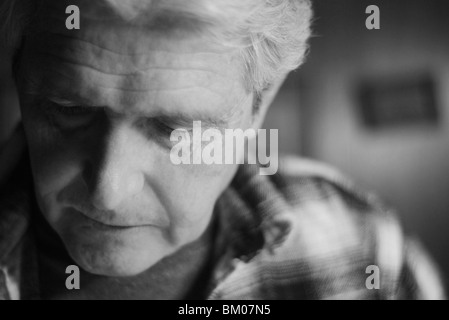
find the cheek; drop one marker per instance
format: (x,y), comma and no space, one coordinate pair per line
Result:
(54,164)
(192,191)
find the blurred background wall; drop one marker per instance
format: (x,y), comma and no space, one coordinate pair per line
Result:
(318,110)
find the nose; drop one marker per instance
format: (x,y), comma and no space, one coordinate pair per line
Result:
(112,174)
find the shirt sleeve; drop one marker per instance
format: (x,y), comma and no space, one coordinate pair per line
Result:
(407,271)
(420,278)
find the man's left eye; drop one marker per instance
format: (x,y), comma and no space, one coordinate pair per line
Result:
(163,127)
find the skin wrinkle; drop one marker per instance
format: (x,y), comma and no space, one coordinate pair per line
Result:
(71,36)
(139,76)
(127,79)
(108,56)
(130,78)
(161,222)
(224,119)
(146,97)
(232,114)
(68,153)
(98,165)
(131,73)
(124,33)
(70,77)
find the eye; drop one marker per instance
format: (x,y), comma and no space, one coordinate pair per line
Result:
(163,127)
(158,130)
(73,111)
(153,126)
(70,117)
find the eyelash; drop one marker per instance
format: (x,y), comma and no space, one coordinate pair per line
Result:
(71,111)
(163,127)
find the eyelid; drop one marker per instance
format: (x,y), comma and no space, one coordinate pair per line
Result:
(168,123)
(75,109)
(188,125)
(56,110)
(162,125)
(63,102)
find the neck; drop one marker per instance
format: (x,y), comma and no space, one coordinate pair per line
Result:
(182,275)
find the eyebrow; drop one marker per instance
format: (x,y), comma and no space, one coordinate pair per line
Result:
(187,120)
(69,101)
(222,121)
(177,118)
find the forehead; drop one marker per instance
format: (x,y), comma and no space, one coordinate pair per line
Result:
(113,62)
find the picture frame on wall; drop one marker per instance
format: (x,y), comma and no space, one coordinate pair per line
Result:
(396,101)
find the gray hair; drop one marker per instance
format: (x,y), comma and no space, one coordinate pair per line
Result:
(271,35)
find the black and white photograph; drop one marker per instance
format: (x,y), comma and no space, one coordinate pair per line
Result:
(231,150)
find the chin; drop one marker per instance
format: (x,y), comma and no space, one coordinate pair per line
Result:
(113,263)
(115,257)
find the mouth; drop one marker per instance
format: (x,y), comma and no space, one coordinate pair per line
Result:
(102,224)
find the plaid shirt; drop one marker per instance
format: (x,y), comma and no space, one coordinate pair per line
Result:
(303,233)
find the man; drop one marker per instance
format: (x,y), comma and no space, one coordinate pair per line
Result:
(99,104)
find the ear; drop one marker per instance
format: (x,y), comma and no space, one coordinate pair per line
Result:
(267,98)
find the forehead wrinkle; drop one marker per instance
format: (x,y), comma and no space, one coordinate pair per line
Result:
(141,69)
(151,80)
(141,101)
(94,48)
(72,80)
(58,41)
(116,36)
(127,50)
(137,100)
(155,78)
(123,72)
(82,76)
(105,64)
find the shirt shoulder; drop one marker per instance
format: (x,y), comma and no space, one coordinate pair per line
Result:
(341,232)
(320,237)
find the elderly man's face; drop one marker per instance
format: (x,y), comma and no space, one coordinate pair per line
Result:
(99,105)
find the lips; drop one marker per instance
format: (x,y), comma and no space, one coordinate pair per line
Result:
(108,224)
(106,219)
